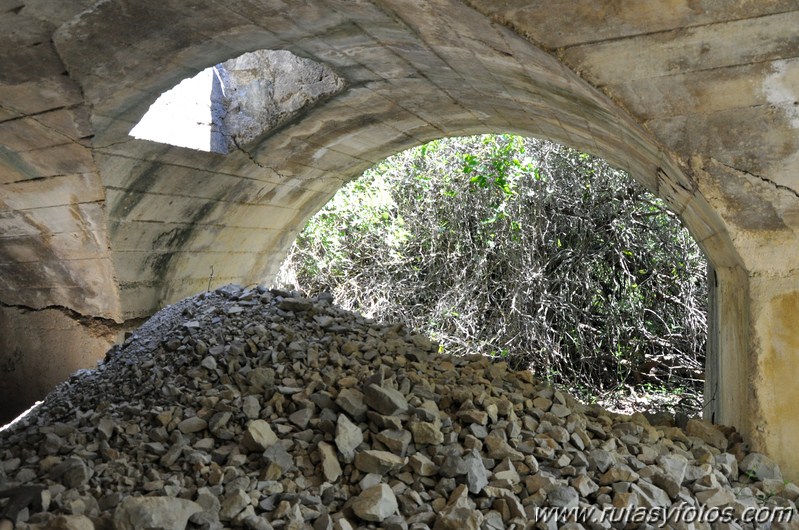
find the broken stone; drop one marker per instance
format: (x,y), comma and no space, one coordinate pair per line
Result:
(278,461)
(476,474)
(73,472)
(617,474)
(499,449)
(760,466)
(563,496)
(351,401)
(649,495)
(164,513)
(331,468)
(396,440)
(233,503)
(290,439)
(460,512)
(584,485)
(386,401)
(192,425)
(375,504)
(707,433)
(348,437)
(426,433)
(302,418)
(258,436)
(295,304)
(422,465)
(716,497)
(381,462)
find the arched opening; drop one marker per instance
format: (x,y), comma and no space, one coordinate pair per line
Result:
(526,251)
(174,214)
(285,175)
(227,106)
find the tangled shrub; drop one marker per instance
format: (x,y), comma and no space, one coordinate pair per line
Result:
(520,248)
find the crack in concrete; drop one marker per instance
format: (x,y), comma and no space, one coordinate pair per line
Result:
(121,142)
(85,320)
(63,134)
(39,113)
(254,161)
(502,19)
(424,43)
(767,180)
(36,179)
(672,30)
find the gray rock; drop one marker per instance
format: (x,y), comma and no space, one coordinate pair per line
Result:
(563,496)
(258,436)
(506,471)
(760,466)
(209,363)
(209,517)
(70,522)
(460,513)
(499,449)
(584,485)
(426,433)
(261,380)
(386,401)
(707,433)
(348,437)
(295,304)
(266,457)
(728,465)
(219,421)
(233,503)
(331,468)
(253,522)
(476,474)
(473,416)
(561,411)
(192,425)
(72,472)
(453,466)
(397,441)
(716,497)
(667,484)
(422,465)
(250,406)
(276,455)
(302,417)
(381,462)
(673,466)
(162,513)
(620,473)
(351,401)
(602,460)
(649,495)
(375,504)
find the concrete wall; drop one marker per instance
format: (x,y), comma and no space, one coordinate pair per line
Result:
(698,100)
(39,349)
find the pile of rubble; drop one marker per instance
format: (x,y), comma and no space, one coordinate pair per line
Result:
(261,409)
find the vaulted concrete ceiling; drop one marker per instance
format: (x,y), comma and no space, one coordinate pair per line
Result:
(698,99)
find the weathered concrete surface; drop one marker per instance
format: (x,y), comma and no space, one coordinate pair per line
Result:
(698,99)
(32,364)
(266,88)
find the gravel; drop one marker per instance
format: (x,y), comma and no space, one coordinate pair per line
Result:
(264,409)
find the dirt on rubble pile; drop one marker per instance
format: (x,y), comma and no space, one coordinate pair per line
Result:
(259,409)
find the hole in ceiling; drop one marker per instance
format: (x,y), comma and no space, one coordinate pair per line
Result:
(229,105)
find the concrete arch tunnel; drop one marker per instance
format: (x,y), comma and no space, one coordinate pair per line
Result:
(698,100)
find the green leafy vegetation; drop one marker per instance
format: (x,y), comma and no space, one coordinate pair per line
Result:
(523,250)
